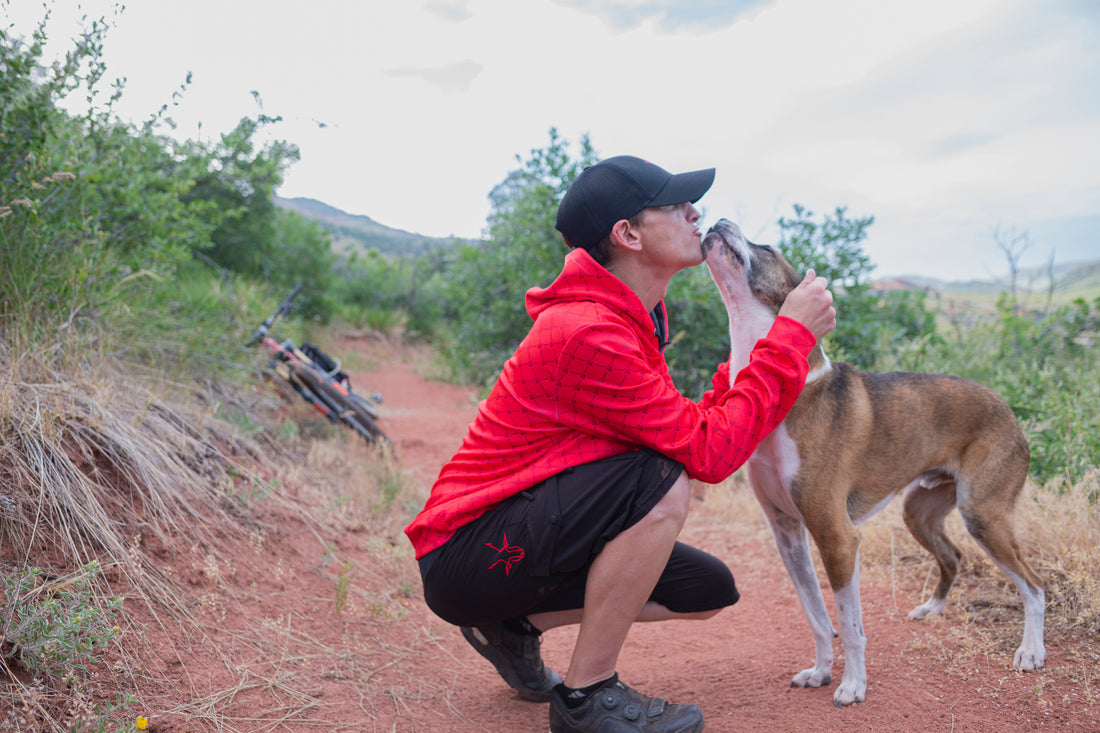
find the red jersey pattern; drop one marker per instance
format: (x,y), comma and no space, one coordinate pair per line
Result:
(589,382)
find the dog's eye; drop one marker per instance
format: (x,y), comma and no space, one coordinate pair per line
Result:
(737,254)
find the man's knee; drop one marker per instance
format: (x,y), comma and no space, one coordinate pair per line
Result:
(696,582)
(704,615)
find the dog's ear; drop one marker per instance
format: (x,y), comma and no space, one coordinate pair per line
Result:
(784,264)
(793,277)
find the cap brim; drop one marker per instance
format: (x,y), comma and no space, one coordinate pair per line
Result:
(684,187)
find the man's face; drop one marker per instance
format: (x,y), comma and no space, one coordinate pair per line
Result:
(670,239)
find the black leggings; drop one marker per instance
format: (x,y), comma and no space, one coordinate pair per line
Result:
(531,553)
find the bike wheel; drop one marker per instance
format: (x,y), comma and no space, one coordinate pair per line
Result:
(349,412)
(364,403)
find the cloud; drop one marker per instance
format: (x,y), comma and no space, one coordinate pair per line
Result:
(942,119)
(951,145)
(449,10)
(456,77)
(669,14)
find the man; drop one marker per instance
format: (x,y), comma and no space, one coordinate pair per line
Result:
(564,502)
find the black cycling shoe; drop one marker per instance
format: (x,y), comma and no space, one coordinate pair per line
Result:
(517,659)
(616,707)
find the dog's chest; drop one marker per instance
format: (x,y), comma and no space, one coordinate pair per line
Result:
(772,470)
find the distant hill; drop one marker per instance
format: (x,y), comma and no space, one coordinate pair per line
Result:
(1083,275)
(1071,280)
(355,232)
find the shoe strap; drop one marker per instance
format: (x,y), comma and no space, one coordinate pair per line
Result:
(616,694)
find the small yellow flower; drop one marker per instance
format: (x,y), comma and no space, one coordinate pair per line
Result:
(141,723)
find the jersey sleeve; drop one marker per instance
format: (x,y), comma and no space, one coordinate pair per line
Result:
(606,386)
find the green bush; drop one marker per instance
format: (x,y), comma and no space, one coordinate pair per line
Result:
(387,293)
(869,323)
(486,284)
(57,628)
(1045,366)
(85,203)
(102,222)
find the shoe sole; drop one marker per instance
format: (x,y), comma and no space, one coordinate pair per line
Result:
(482,646)
(567,726)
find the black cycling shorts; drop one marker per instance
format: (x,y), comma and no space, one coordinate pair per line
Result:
(531,553)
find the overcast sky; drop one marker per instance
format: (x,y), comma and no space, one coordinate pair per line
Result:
(943,119)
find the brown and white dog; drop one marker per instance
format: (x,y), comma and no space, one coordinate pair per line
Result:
(852,441)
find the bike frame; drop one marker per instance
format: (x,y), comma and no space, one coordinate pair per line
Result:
(296,368)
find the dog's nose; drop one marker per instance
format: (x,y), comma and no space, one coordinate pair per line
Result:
(729,228)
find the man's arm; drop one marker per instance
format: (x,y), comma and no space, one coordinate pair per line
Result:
(605,386)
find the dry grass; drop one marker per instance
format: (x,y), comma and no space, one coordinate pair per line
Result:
(1058,528)
(91,459)
(351,487)
(376,500)
(95,466)
(1059,531)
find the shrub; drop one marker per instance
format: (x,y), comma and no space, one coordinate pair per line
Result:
(1045,368)
(869,323)
(57,627)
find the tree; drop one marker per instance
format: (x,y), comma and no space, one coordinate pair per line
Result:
(1012,245)
(93,209)
(300,252)
(699,330)
(868,322)
(238,182)
(831,247)
(485,293)
(86,203)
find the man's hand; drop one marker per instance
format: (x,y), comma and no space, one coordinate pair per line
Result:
(811,304)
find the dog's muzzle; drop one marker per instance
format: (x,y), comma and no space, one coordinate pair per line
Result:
(723,234)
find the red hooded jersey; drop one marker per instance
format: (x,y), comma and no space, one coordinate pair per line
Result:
(589,382)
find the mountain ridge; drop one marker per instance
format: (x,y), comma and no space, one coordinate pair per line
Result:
(357,232)
(1070,278)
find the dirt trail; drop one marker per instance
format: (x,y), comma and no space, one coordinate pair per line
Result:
(390,665)
(738,665)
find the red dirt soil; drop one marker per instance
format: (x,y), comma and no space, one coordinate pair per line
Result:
(275,655)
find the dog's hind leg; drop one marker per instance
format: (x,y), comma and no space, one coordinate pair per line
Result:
(794,548)
(926,506)
(989,522)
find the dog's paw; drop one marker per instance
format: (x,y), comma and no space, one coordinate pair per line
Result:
(1029,659)
(929,608)
(849,692)
(812,677)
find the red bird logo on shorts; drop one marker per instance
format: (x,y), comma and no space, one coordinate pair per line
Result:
(507,554)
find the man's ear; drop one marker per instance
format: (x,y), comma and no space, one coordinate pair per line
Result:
(625,235)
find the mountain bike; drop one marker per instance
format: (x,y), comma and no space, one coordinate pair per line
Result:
(317,377)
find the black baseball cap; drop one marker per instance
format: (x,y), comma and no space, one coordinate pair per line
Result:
(618,188)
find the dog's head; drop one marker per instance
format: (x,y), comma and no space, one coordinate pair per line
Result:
(742,269)
(753,280)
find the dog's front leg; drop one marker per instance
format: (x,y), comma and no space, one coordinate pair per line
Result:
(794,548)
(849,613)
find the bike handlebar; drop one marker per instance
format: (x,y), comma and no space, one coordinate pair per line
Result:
(283,308)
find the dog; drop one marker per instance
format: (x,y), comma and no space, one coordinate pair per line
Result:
(854,440)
